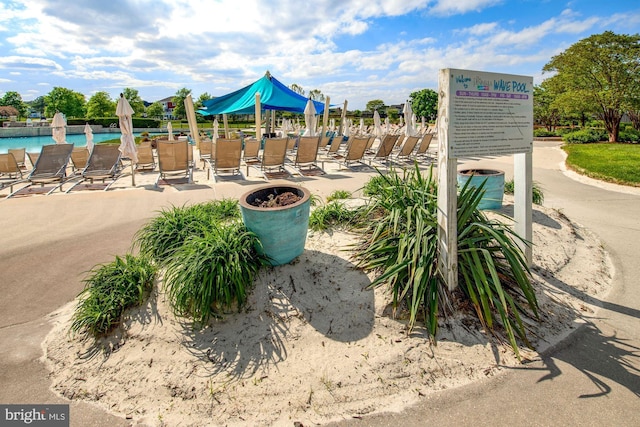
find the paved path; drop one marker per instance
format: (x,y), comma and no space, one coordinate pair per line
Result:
(591,379)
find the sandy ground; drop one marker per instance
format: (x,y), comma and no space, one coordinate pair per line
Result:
(313,344)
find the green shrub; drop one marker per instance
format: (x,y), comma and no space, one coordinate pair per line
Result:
(537,196)
(211,272)
(542,133)
(584,136)
(333,214)
(629,135)
(375,185)
(400,243)
(109,290)
(165,233)
(339,195)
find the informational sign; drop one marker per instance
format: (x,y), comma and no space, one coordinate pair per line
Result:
(489,114)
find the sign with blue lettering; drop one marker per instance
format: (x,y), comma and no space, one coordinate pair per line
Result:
(487,114)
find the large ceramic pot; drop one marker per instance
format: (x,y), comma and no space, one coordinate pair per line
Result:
(493,185)
(282,230)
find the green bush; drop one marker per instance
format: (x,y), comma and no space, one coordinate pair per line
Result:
(629,135)
(400,243)
(543,133)
(166,233)
(333,214)
(585,136)
(211,272)
(338,195)
(109,290)
(537,196)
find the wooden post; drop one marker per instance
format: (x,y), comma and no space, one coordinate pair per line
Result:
(523,200)
(325,117)
(343,118)
(258,118)
(447,191)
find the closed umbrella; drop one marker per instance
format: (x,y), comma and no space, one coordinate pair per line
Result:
(170,131)
(409,130)
(127,143)
(216,126)
(387,125)
(58,128)
(377,128)
(310,119)
(361,129)
(88,133)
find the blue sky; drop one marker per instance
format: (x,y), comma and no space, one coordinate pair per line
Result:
(358,50)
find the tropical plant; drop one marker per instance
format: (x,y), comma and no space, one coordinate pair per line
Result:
(109,290)
(537,196)
(165,233)
(338,195)
(400,243)
(211,272)
(331,215)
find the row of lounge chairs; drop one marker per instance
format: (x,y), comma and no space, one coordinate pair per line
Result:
(49,171)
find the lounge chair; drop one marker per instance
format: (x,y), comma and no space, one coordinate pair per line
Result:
(421,153)
(305,162)
(33,158)
(251,153)
(384,149)
(50,168)
(103,164)
(145,156)
(355,152)
(19,154)
(173,160)
(10,172)
(206,151)
(79,158)
(324,141)
(407,148)
(228,157)
(336,144)
(273,158)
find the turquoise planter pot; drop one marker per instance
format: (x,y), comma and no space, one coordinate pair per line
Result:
(493,187)
(282,231)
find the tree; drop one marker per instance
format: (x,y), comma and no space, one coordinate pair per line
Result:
(135,101)
(544,110)
(204,97)
(100,105)
(155,110)
(67,101)
(424,103)
(601,71)
(38,105)
(316,95)
(297,89)
(178,101)
(375,104)
(13,99)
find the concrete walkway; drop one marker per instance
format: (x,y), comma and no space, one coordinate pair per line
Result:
(48,243)
(593,377)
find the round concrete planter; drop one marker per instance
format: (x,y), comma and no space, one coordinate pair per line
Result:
(493,187)
(282,231)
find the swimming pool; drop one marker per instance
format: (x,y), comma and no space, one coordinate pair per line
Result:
(33,144)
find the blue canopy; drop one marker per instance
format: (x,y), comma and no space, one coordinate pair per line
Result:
(273,96)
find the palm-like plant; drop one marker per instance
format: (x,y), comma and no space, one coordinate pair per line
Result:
(400,242)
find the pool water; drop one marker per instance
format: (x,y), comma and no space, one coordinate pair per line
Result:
(34,144)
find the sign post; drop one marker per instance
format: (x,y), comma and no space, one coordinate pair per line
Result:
(482,114)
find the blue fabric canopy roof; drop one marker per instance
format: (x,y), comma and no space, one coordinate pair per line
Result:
(273,96)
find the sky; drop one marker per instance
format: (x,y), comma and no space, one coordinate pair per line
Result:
(354,50)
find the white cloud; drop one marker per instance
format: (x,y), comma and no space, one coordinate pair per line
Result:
(452,7)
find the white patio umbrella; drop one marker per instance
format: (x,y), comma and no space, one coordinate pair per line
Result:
(170,131)
(423,126)
(361,128)
(58,128)
(127,143)
(409,130)
(88,133)
(377,128)
(347,128)
(216,126)
(310,119)
(387,125)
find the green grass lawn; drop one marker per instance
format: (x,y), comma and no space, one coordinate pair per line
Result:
(619,163)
